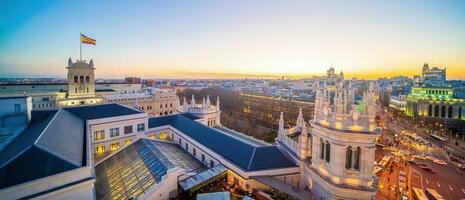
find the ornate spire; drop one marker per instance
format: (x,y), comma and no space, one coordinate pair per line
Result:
(300,119)
(281,122)
(208,101)
(192,100)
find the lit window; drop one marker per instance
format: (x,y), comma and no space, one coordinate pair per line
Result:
(114,132)
(163,135)
(99,135)
(114,146)
(127,141)
(152,136)
(99,149)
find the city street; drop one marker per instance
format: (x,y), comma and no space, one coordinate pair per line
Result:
(399,145)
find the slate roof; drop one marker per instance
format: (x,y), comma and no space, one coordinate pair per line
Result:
(53,142)
(101,111)
(242,154)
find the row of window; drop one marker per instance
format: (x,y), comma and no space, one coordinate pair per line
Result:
(113,146)
(352,155)
(194,153)
(43,105)
(114,132)
(444,109)
(81,79)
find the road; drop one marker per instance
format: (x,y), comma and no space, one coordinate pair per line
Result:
(448,180)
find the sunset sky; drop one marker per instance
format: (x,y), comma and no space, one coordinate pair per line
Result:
(233,39)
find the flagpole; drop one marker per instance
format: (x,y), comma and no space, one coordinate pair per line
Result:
(80,46)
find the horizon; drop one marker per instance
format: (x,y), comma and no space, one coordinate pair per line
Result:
(226,40)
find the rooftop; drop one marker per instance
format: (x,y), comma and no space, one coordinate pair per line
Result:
(101,111)
(134,170)
(54,142)
(237,150)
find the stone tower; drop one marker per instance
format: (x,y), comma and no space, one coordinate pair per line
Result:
(81,79)
(343,144)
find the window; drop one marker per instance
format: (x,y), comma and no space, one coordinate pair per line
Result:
(357,158)
(163,135)
(349,157)
(100,150)
(153,136)
(17,108)
(128,129)
(87,79)
(194,152)
(353,158)
(114,146)
(127,141)
(187,146)
(180,142)
(75,79)
(203,158)
(99,135)
(114,132)
(212,164)
(81,79)
(328,152)
(322,149)
(140,127)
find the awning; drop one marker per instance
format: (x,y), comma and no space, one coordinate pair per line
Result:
(203,177)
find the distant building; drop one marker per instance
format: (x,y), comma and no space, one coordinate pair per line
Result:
(434,97)
(435,102)
(132,80)
(434,76)
(155,103)
(82,89)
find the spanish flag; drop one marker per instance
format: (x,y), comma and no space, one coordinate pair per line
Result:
(87,40)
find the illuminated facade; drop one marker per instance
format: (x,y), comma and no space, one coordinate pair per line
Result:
(435,102)
(336,152)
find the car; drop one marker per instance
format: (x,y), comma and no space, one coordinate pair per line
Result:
(429,169)
(413,162)
(437,161)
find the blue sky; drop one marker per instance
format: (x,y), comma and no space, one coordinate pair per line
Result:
(232,38)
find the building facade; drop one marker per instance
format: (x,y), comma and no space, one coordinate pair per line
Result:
(435,102)
(336,150)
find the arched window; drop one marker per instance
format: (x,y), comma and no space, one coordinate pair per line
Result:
(443,111)
(449,112)
(327,152)
(357,158)
(349,157)
(81,79)
(75,79)
(436,110)
(430,110)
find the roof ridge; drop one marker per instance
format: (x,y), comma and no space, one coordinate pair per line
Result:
(251,158)
(46,127)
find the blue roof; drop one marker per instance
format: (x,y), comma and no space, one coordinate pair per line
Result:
(53,142)
(241,153)
(101,111)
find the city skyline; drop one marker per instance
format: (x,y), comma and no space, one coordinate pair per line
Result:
(229,40)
